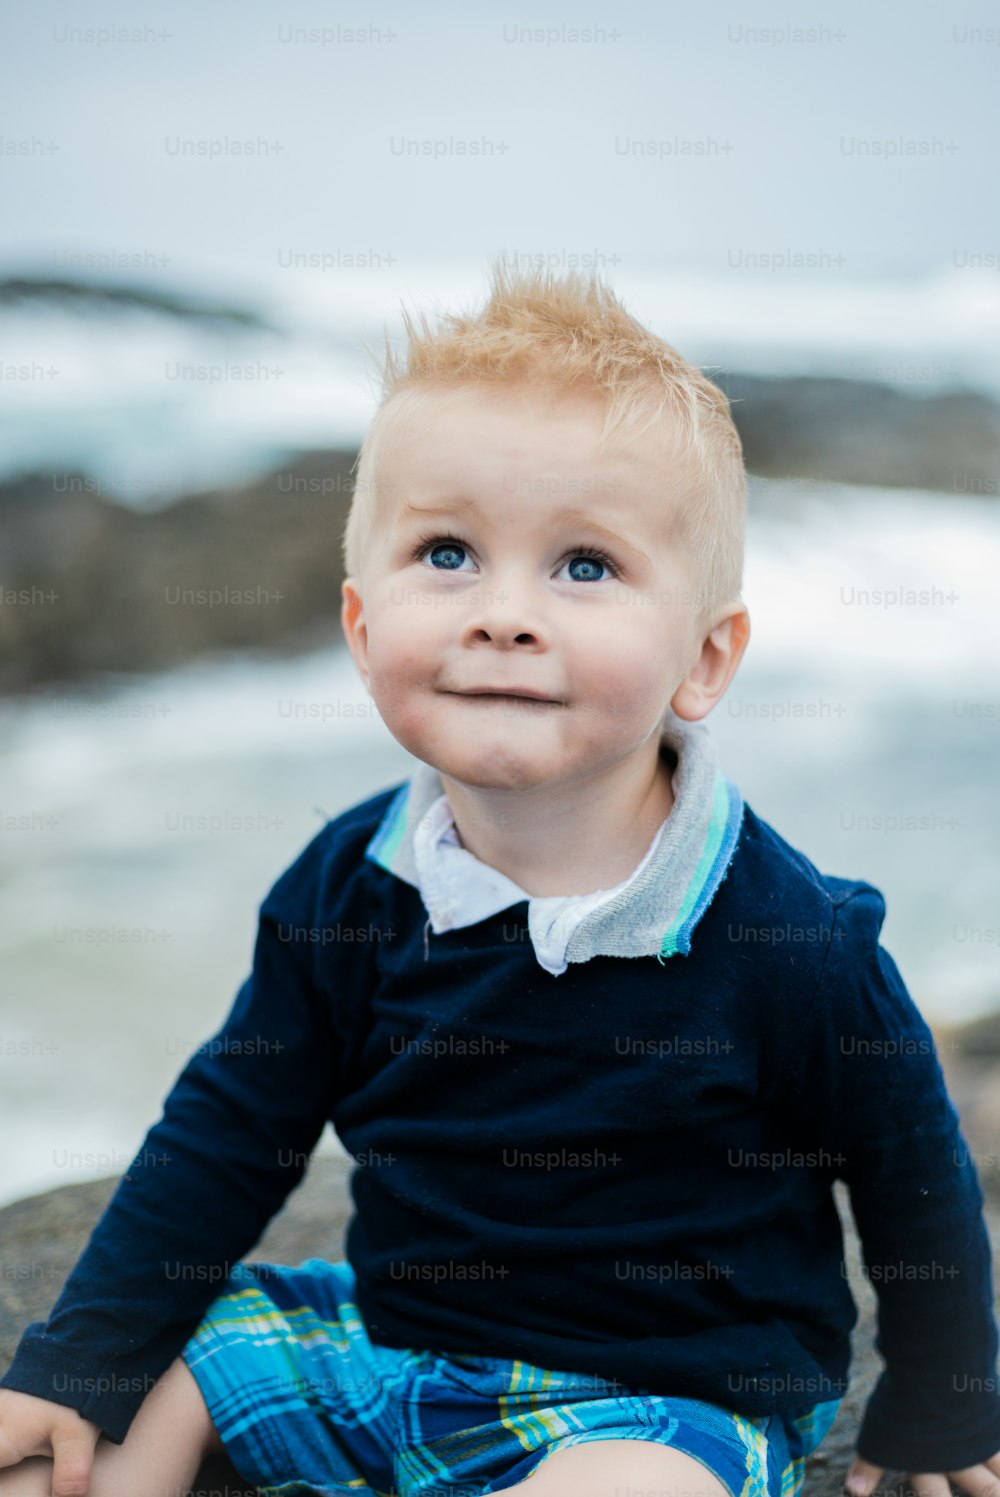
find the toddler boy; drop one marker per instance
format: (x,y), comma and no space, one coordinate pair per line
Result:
(596,1106)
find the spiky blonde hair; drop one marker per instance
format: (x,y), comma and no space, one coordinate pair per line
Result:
(550,335)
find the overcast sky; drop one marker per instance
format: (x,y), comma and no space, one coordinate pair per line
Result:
(870,145)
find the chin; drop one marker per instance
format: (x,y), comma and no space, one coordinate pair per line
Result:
(493,774)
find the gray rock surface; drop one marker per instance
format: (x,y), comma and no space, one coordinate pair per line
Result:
(97,589)
(867,431)
(43,1236)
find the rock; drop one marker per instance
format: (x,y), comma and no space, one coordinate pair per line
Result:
(44,1235)
(62,292)
(977,1042)
(91,588)
(970,1059)
(866,431)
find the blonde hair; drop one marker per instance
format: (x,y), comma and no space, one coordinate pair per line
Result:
(558,335)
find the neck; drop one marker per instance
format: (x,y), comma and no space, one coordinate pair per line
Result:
(574,839)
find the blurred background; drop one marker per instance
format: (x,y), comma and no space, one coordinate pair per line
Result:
(210,212)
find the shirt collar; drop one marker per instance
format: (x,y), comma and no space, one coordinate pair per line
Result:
(459,890)
(656,910)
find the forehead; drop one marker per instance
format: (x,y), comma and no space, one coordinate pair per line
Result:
(474,435)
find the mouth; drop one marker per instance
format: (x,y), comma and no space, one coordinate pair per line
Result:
(528,697)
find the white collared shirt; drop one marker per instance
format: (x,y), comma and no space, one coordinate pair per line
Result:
(652,913)
(459,889)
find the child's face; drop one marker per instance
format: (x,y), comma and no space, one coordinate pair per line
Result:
(512,603)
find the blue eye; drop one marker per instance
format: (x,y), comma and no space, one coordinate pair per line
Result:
(453,550)
(590,559)
(450,546)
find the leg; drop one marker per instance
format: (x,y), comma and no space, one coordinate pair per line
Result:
(621,1468)
(159,1457)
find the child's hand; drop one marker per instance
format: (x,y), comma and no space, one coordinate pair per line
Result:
(34,1426)
(980,1481)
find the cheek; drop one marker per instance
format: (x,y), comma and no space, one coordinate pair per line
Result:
(623,642)
(631,654)
(398,643)
(400,693)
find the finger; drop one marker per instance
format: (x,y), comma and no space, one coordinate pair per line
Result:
(73,1457)
(862,1477)
(14,1450)
(930,1484)
(980,1480)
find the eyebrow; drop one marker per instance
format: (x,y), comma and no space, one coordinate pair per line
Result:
(570,516)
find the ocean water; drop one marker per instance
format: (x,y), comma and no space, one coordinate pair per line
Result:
(864,724)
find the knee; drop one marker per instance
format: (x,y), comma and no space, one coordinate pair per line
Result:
(643,1468)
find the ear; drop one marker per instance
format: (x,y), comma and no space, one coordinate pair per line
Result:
(717,661)
(352,621)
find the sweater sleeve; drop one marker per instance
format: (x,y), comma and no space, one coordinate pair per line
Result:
(871,1086)
(234,1139)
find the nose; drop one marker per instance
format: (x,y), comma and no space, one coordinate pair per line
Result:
(507,616)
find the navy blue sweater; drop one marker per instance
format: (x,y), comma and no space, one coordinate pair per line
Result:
(624,1170)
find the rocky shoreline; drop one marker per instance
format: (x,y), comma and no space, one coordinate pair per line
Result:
(89,588)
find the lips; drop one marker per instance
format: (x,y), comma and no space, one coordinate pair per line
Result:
(508,691)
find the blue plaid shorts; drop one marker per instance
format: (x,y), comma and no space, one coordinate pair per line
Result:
(307,1406)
